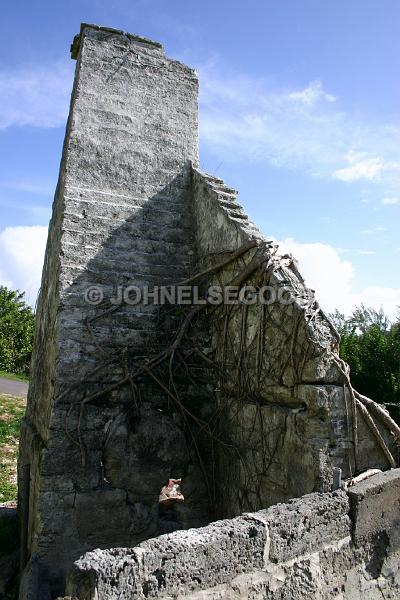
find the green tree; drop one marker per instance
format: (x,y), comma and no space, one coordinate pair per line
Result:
(16,331)
(370,344)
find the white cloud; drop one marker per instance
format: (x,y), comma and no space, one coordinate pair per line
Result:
(311,94)
(391,200)
(244,120)
(36,95)
(324,270)
(332,279)
(22,253)
(306,129)
(373,230)
(361,166)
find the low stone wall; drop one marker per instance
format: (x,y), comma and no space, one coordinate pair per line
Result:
(335,545)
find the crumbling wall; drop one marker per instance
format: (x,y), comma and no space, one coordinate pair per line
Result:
(92,472)
(325,546)
(249,404)
(286,416)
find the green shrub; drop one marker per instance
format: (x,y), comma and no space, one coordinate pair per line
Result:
(16,332)
(370,344)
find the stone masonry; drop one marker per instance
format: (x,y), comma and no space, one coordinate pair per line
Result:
(121,213)
(330,546)
(252,409)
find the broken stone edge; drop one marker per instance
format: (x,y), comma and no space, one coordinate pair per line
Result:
(75,46)
(318,534)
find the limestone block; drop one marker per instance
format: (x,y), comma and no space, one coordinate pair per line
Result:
(305,524)
(375,508)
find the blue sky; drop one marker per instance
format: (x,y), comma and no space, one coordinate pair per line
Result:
(299,110)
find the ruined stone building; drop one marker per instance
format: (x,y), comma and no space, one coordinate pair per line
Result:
(247,403)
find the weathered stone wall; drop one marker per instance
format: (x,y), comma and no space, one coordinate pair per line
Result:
(286,414)
(252,412)
(321,546)
(121,216)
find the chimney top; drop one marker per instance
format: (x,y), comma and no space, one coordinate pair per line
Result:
(136,38)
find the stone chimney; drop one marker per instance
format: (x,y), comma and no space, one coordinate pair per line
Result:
(121,216)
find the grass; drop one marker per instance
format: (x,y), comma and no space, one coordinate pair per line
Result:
(14,376)
(12,409)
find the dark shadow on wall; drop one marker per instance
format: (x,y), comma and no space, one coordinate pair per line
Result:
(111,452)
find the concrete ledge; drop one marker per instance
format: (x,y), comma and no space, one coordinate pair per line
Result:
(301,549)
(305,524)
(184,560)
(375,507)
(187,561)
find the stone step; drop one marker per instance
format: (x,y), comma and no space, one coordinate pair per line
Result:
(212,178)
(94,240)
(131,255)
(230,204)
(226,195)
(224,188)
(149,231)
(237,214)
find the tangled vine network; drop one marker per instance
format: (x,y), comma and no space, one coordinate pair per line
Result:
(236,366)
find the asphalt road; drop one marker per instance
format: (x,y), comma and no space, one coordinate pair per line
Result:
(15,388)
